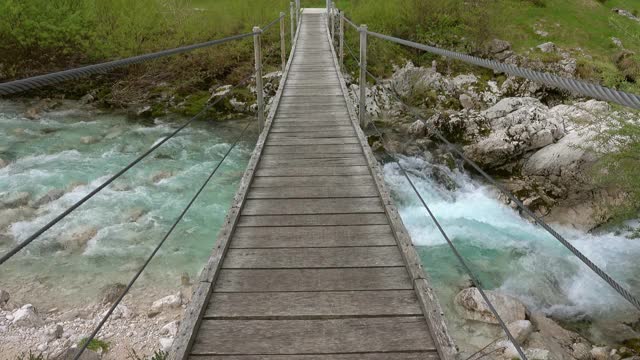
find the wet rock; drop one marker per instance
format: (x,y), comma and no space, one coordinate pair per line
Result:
(3,163)
(170,329)
(51,195)
(146,111)
(547,47)
(79,238)
(10,216)
(4,297)
(26,316)
(13,200)
(520,329)
(161,175)
(135,214)
(88,140)
(551,336)
(473,306)
(110,293)
(34,112)
(167,302)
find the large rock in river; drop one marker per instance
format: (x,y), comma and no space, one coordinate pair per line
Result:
(473,306)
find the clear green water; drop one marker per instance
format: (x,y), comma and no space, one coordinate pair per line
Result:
(506,252)
(512,255)
(48,154)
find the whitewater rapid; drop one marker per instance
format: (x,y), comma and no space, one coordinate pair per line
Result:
(509,253)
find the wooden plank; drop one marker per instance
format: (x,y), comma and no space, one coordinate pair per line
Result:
(314,141)
(316,305)
(313,220)
(431,355)
(326,149)
(275,280)
(313,336)
(311,258)
(322,98)
(311,236)
(272,162)
(308,156)
(307,127)
(313,192)
(282,181)
(311,135)
(313,170)
(313,206)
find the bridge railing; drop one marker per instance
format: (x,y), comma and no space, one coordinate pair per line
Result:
(17,86)
(572,85)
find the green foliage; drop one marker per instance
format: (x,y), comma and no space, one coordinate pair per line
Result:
(618,144)
(95,344)
(30,356)
(157,355)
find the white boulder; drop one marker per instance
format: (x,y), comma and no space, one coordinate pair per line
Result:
(26,316)
(167,302)
(473,306)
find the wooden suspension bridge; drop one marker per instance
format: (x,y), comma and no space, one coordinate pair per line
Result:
(313,261)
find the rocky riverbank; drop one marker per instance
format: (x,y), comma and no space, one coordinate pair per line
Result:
(539,142)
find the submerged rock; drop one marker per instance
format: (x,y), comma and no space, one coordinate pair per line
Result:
(110,293)
(473,306)
(79,238)
(10,216)
(51,195)
(88,140)
(12,200)
(161,175)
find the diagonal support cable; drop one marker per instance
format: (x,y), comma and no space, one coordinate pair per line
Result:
(95,191)
(157,248)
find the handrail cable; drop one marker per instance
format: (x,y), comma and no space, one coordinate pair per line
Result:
(606,277)
(349,21)
(269,25)
(16,86)
(157,248)
(576,86)
(51,223)
(455,251)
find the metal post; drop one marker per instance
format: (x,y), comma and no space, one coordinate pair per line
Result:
(283,43)
(363,76)
(297,14)
(333,24)
(341,53)
(293,27)
(328,9)
(257,45)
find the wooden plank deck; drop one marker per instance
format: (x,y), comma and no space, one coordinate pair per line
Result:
(313,261)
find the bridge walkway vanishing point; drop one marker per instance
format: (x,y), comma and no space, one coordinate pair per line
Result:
(313,261)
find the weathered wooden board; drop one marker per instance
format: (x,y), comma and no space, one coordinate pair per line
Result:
(312,236)
(280,181)
(335,162)
(326,304)
(314,141)
(430,355)
(307,127)
(313,192)
(287,156)
(313,336)
(313,206)
(274,280)
(313,170)
(312,135)
(310,258)
(313,220)
(326,149)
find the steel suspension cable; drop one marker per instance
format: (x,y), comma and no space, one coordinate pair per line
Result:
(626,294)
(576,86)
(467,269)
(157,248)
(17,86)
(95,191)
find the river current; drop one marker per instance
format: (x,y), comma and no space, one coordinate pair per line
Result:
(76,150)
